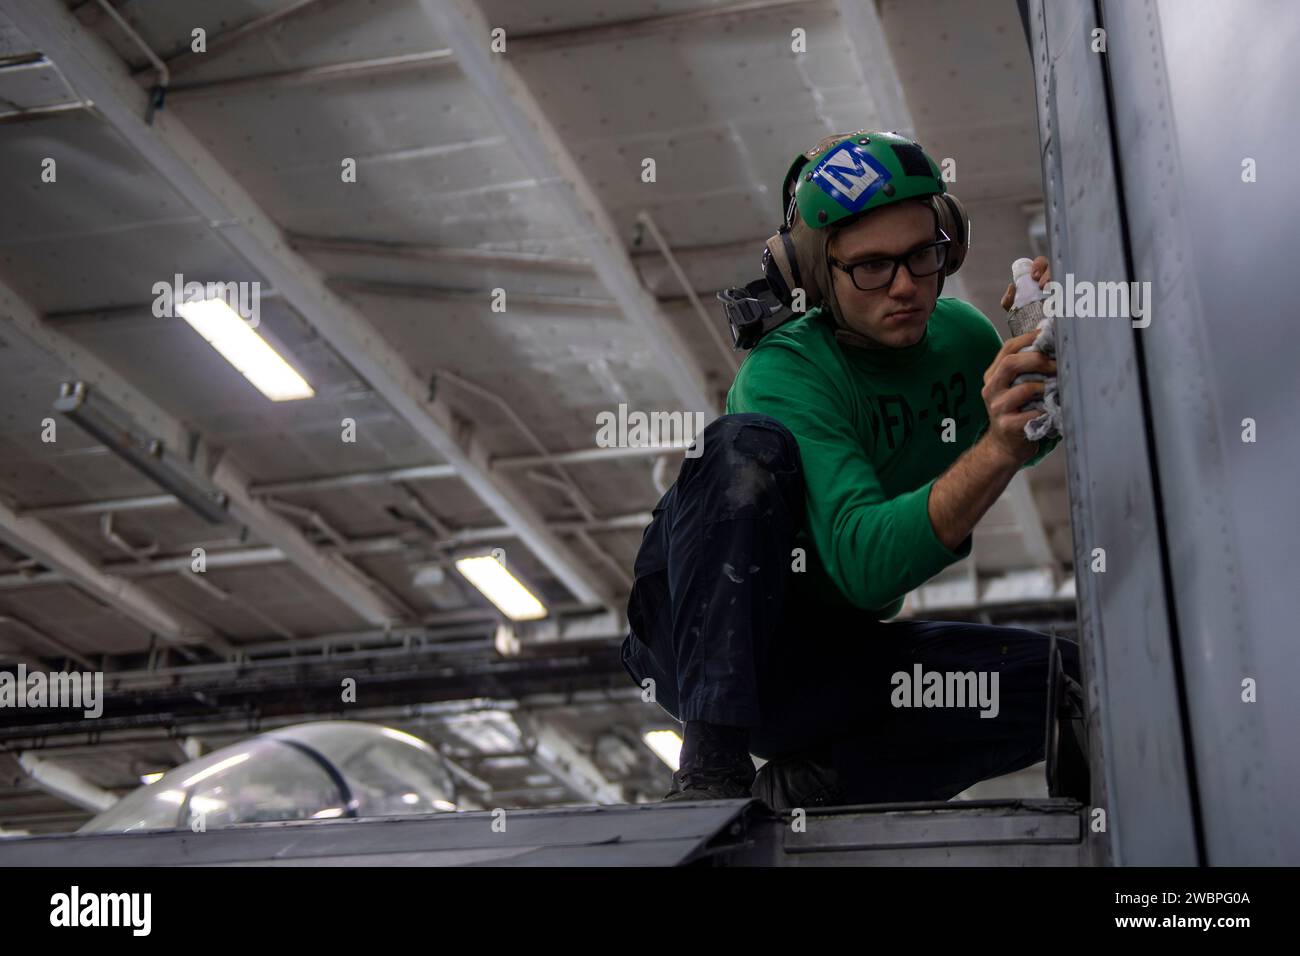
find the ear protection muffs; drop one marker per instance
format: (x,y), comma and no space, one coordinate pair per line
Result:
(781,263)
(781,267)
(780,259)
(952,219)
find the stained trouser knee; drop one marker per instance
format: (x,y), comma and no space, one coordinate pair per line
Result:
(738,506)
(710,573)
(744,464)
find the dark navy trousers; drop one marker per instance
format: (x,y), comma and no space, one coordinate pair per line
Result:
(730,634)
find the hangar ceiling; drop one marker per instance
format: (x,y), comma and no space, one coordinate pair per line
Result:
(473,427)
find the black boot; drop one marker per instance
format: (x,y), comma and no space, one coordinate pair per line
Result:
(715,764)
(799,780)
(1067,751)
(1070,775)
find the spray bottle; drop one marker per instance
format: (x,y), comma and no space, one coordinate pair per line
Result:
(1027,309)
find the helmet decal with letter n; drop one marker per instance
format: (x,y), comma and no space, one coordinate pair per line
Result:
(850,175)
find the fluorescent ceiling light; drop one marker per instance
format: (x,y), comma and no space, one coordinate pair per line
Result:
(227,332)
(501,588)
(667,745)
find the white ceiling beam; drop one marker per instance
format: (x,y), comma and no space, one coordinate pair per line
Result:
(1033,529)
(1017,587)
(869,47)
(1027,587)
(875,63)
(24,324)
(41,542)
(223,43)
(656,24)
(181,160)
(461,24)
(38,540)
(458,256)
(331,572)
(61,648)
(351,69)
(559,757)
(382,476)
(253,555)
(65,784)
(566,38)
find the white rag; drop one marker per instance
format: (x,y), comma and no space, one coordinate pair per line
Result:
(1048,424)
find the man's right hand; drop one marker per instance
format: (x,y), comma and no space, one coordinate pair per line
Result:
(1003,401)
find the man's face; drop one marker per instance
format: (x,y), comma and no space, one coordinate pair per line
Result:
(894,316)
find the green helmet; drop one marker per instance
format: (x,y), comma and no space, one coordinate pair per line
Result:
(849,174)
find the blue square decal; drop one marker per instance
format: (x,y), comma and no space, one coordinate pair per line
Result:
(850,175)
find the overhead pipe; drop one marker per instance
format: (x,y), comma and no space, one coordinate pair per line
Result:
(360,479)
(159,91)
(140,553)
(712,324)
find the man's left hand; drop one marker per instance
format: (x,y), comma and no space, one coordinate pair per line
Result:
(1041,270)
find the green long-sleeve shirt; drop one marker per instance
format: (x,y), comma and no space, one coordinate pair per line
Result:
(869,424)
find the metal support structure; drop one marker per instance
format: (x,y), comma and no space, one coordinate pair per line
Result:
(446,255)
(1029,520)
(881,84)
(621,31)
(410,290)
(618,31)
(65,784)
(223,43)
(241,557)
(1123,618)
(182,161)
(451,635)
(164,74)
(44,112)
(61,648)
(1214,364)
(207,587)
(646,258)
(82,740)
(559,757)
(350,69)
(24,328)
(174,469)
(710,320)
(548,160)
(339,579)
(38,540)
(875,62)
(360,479)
